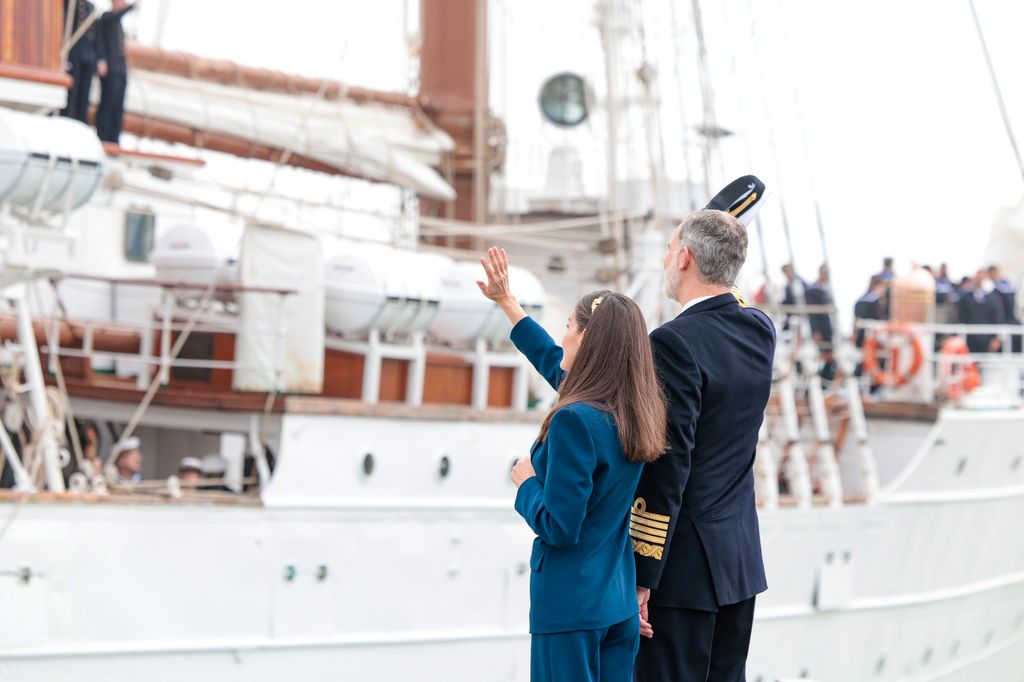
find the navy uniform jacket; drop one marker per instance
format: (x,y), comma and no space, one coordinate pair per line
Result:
(867,307)
(821,323)
(111,38)
(583,575)
(977,307)
(88,49)
(694,520)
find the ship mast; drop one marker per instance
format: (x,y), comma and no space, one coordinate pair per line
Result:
(454,93)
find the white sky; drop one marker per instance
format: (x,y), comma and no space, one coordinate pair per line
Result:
(907,152)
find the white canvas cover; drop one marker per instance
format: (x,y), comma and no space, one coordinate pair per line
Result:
(277,258)
(368,140)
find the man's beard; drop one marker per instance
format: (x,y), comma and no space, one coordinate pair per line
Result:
(671,284)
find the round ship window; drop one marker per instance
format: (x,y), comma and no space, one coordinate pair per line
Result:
(563,100)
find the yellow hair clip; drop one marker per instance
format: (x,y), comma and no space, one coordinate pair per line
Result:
(594,304)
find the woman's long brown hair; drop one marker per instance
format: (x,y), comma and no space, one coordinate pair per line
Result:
(614,372)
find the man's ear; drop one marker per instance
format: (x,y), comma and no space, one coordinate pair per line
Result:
(685,258)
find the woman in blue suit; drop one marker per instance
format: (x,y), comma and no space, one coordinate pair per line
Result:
(576,487)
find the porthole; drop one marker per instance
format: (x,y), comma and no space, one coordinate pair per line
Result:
(960,466)
(368,464)
(445,467)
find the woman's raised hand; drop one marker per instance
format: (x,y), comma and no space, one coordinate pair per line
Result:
(496,287)
(496,267)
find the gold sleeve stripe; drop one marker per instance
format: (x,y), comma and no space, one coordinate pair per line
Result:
(652,517)
(650,531)
(643,549)
(742,207)
(647,522)
(640,509)
(645,536)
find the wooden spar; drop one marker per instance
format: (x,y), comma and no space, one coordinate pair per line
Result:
(157,129)
(226,72)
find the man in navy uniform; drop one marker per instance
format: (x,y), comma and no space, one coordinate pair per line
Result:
(868,307)
(694,521)
(980,305)
(1006,294)
(85,56)
(114,73)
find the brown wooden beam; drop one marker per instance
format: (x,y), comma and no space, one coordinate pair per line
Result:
(227,72)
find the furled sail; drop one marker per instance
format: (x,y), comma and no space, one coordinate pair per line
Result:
(377,136)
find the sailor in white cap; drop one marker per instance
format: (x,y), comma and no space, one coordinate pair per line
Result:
(190,470)
(127,460)
(214,468)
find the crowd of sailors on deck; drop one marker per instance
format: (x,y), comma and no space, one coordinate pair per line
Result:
(985,297)
(122,469)
(97,50)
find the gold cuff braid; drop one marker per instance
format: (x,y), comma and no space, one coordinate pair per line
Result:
(644,549)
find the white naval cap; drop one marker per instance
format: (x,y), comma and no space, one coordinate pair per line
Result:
(190,464)
(124,445)
(214,465)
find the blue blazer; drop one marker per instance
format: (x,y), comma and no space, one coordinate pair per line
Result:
(694,520)
(583,574)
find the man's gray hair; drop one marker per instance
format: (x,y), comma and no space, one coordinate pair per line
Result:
(718,243)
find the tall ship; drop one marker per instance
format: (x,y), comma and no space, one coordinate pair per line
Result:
(265,295)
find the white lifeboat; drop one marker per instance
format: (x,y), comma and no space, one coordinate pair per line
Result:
(394,291)
(55,161)
(465,315)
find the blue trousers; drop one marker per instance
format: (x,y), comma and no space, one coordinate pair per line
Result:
(587,655)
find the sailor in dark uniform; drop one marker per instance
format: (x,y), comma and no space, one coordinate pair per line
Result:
(795,291)
(1006,294)
(977,306)
(868,307)
(945,288)
(694,523)
(115,79)
(83,59)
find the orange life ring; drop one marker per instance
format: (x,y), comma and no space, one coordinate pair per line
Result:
(957,378)
(893,375)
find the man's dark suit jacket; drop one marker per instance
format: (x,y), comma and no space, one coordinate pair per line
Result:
(694,521)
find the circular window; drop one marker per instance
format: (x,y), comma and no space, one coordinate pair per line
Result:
(563,100)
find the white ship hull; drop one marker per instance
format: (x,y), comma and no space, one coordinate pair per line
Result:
(425,577)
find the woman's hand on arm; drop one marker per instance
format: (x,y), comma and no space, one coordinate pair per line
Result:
(496,287)
(522,471)
(555,509)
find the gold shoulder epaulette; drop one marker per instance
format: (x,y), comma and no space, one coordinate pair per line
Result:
(739,297)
